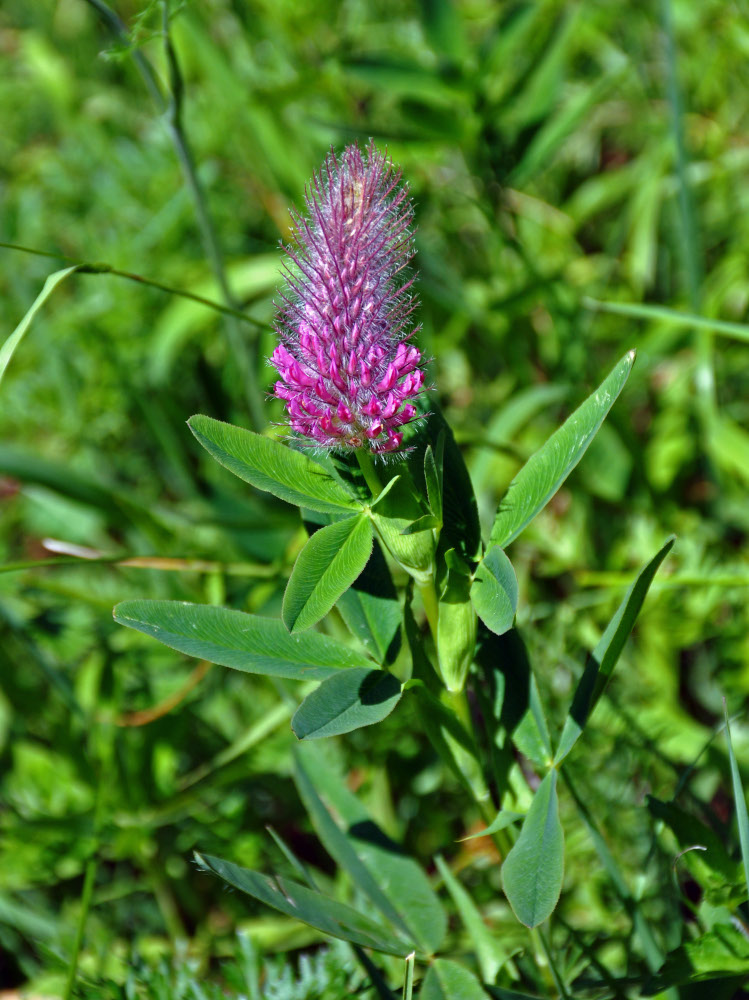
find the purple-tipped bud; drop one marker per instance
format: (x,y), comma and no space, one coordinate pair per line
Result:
(347,369)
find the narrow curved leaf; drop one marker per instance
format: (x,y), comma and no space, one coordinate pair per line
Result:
(8,348)
(447,980)
(342,849)
(547,469)
(494,592)
(533,871)
(271,466)
(501,821)
(604,657)
(313,908)
(400,877)
(326,567)
(348,700)
(239,640)
(742,817)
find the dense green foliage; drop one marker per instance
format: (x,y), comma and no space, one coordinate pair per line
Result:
(578,175)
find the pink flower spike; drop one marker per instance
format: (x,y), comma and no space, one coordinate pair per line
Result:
(346,370)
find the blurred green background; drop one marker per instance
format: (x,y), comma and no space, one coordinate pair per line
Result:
(567,160)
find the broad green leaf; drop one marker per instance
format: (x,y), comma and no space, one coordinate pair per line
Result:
(494,592)
(547,469)
(742,819)
(533,870)
(271,466)
(447,980)
(720,953)
(313,908)
(491,955)
(342,850)
(10,345)
(236,639)
(325,568)
(348,700)
(604,657)
(371,609)
(399,876)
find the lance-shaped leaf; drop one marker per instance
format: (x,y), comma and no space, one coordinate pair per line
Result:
(271,466)
(604,657)
(533,871)
(494,592)
(326,567)
(236,639)
(397,875)
(348,700)
(547,469)
(342,849)
(313,908)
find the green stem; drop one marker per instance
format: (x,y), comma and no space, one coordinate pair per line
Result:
(86,267)
(431,608)
(244,358)
(171,109)
(88,890)
(367,466)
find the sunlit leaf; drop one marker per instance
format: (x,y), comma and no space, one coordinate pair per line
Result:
(328,564)
(235,639)
(547,469)
(271,466)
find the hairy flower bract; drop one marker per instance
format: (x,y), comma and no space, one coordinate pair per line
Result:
(347,371)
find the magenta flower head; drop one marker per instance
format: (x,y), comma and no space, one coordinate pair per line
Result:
(347,371)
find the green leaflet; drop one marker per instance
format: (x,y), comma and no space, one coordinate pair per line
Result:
(494,592)
(533,870)
(309,906)
(347,700)
(271,466)
(236,639)
(399,877)
(547,469)
(326,567)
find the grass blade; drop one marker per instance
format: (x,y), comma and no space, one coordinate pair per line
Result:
(10,345)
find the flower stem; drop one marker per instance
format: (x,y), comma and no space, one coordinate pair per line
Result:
(431,607)
(367,466)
